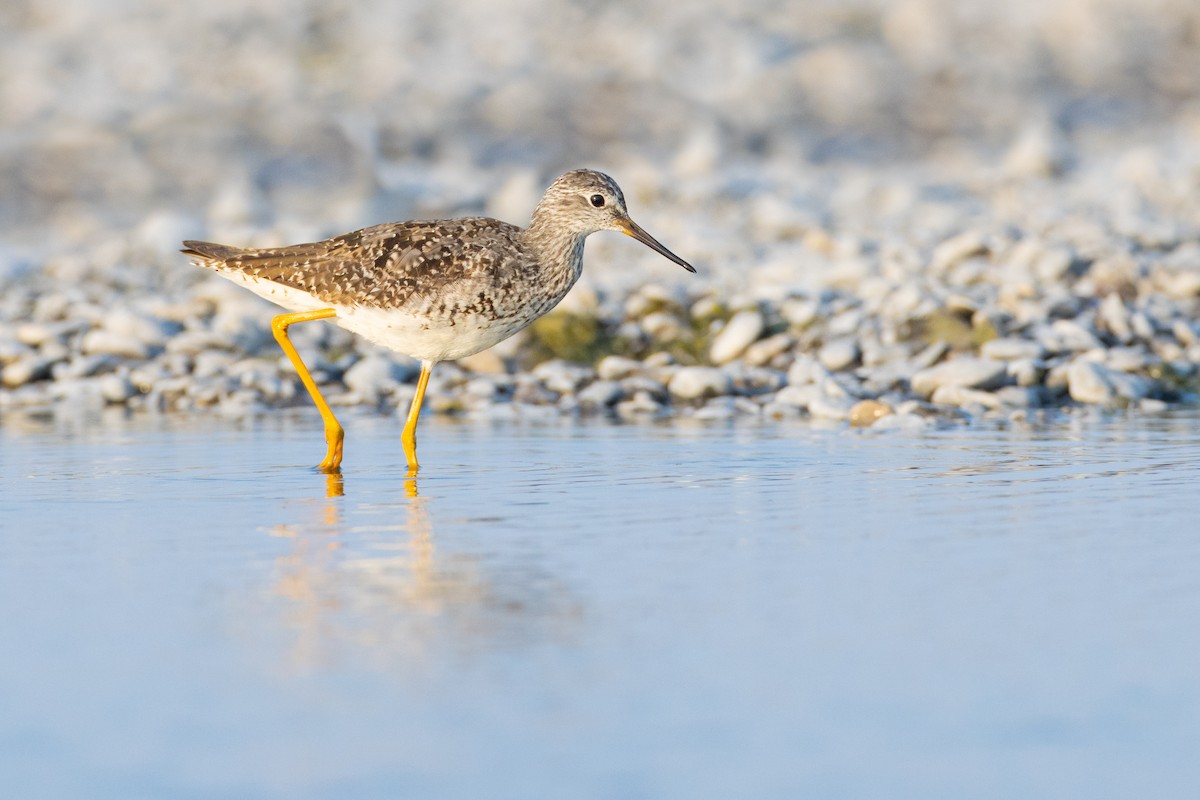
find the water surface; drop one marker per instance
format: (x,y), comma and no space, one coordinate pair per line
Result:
(599,611)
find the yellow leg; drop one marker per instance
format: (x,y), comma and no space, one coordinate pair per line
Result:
(409,436)
(333,430)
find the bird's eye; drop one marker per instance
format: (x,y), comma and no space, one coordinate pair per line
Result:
(598,200)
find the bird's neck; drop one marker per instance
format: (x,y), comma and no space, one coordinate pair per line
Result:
(558,249)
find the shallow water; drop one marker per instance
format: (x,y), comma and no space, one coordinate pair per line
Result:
(593,610)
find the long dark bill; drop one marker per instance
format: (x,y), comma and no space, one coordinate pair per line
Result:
(636,231)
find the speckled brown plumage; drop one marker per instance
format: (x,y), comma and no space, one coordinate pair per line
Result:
(440,289)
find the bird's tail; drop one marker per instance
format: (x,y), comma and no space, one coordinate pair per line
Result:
(209,253)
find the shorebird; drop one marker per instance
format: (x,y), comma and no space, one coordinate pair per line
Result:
(435,290)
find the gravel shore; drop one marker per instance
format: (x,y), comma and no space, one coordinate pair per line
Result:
(856,265)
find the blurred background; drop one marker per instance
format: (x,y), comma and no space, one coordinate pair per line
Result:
(283,118)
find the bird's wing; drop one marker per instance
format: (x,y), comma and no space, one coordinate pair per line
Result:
(385,265)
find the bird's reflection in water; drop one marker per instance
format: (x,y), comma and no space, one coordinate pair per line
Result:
(367,580)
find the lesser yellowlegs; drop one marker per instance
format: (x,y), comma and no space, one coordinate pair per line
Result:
(434,290)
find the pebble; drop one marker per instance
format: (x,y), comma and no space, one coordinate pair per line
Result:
(839,354)
(26,369)
(694,383)
(614,368)
(866,413)
(1096,383)
(116,388)
(374,376)
(600,394)
(764,350)
(1012,349)
(953,395)
(99,341)
(739,333)
(967,373)
(831,408)
(957,248)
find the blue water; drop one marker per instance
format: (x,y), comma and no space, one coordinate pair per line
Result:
(588,610)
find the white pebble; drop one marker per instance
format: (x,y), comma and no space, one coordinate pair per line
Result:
(693,383)
(739,333)
(969,373)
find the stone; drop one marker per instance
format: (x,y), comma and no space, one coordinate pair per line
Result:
(961,396)
(798,397)
(614,368)
(839,354)
(968,373)
(742,330)
(115,388)
(958,248)
(695,383)
(374,376)
(640,405)
(866,413)
(764,350)
(600,394)
(806,370)
(1067,336)
(1011,349)
(26,369)
(1019,396)
(148,330)
(562,376)
(1026,371)
(825,407)
(662,326)
(99,341)
(800,312)
(1096,383)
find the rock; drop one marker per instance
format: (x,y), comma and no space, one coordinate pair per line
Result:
(115,388)
(902,421)
(487,362)
(1019,396)
(839,354)
(824,407)
(1096,383)
(1053,264)
(84,367)
(717,408)
(99,341)
(600,394)
(146,329)
(739,333)
(1087,382)
(806,370)
(961,396)
(614,368)
(1026,371)
(1067,336)
(640,405)
(866,413)
(562,376)
(751,381)
(798,397)
(663,327)
(1011,349)
(957,248)
(694,383)
(26,369)
(800,312)
(1115,316)
(1041,150)
(968,373)
(374,376)
(765,350)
